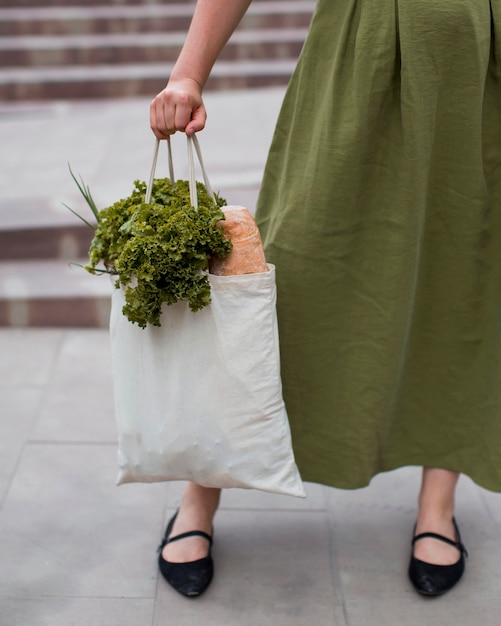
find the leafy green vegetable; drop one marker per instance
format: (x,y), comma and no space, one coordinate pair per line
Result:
(159,251)
(85,191)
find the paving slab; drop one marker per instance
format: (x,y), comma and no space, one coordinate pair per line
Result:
(18,410)
(71,532)
(372,531)
(91,419)
(272,569)
(84,358)
(27,358)
(76,611)
(81,370)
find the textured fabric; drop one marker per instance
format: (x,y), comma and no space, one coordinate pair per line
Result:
(381,209)
(199,398)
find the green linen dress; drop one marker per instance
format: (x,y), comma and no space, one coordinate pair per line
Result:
(381,209)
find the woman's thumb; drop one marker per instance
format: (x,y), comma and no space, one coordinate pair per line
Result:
(197,121)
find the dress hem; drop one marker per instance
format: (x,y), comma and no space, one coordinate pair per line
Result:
(312,477)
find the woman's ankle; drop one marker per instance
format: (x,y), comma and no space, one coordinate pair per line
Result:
(435,513)
(196,512)
(436,500)
(201,501)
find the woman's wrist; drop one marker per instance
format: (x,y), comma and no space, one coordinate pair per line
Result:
(178,80)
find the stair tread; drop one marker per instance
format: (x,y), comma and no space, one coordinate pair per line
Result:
(26,213)
(28,4)
(49,279)
(110,40)
(72,74)
(37,13)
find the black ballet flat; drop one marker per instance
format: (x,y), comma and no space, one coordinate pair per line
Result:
(189,579)
(434,580)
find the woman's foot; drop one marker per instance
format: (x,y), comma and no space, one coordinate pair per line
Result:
(432,579)
(438,556)
(185,559)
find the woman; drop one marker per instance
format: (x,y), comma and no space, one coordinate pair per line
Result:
(381,209)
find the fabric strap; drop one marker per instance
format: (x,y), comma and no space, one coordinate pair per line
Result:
(456,544)
(192,142)
(191,533)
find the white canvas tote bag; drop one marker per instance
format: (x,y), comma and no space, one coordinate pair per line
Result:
(200,397)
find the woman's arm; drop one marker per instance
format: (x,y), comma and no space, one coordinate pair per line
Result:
(179,106)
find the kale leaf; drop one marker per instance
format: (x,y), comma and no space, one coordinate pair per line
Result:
(159,251)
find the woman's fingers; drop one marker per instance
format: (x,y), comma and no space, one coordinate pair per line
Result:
(157,119)
(197,122)
(177,107)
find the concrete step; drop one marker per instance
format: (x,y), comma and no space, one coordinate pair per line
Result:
(164,18)
(45,242)
(113,81)
(52,293)
(76,51)
(92,3)
(33,228)
(89,3)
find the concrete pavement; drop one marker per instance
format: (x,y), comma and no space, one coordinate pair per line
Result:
(77,550)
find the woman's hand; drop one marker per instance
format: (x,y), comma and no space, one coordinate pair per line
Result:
(178,107)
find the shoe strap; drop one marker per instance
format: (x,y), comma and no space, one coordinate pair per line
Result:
(191,533)
(455,544)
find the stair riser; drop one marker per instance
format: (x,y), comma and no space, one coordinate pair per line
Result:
(139,54)
(81,312)
(90,3)
(18,4)
(70,242)
(55,27)
(16,91)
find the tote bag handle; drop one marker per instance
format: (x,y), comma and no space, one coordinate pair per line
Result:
(192,142)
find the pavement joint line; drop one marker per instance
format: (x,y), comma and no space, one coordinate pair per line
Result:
(334,565)
(45,387)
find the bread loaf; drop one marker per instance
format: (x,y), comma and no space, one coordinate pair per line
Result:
(247,255)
